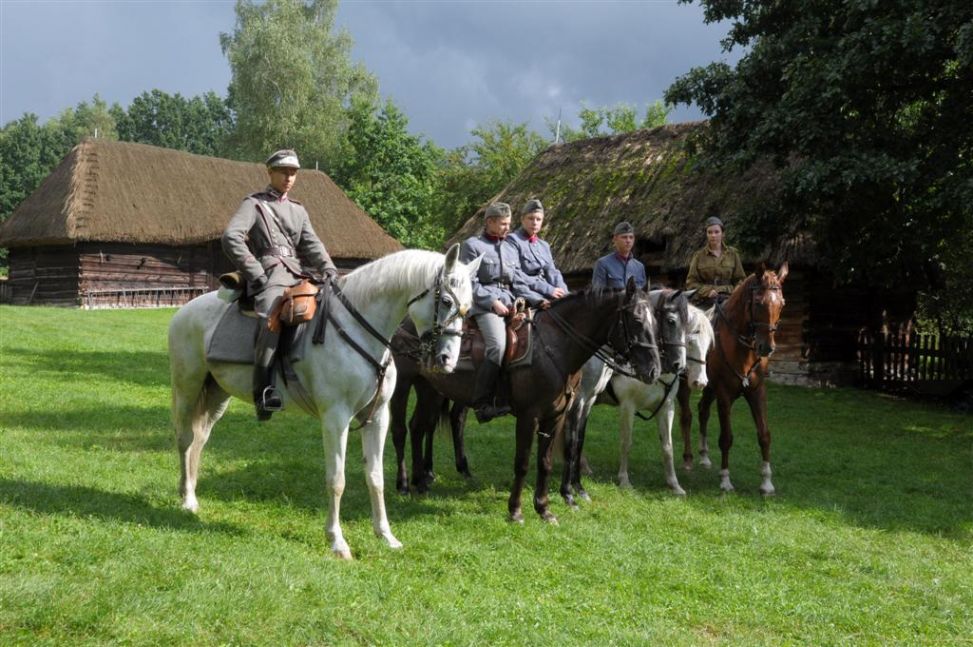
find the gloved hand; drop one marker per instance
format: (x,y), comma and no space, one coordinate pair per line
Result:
(330,274)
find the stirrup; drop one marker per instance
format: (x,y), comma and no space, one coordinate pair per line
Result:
(270,400)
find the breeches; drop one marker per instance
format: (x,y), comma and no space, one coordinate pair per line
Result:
(494,329)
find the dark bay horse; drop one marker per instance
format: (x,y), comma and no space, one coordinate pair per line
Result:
(737,365)
(565,336)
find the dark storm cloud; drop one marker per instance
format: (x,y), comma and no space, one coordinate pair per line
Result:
(448,65)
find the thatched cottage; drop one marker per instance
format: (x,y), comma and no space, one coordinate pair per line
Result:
(122,224)
(648,179)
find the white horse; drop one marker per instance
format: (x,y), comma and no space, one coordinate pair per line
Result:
(631,395)
(660,397)
(435,292)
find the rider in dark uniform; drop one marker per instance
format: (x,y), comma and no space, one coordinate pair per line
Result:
(613,270)
(271,242)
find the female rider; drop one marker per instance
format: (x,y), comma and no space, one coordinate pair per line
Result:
(715,270)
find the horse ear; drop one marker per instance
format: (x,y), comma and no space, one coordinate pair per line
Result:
(630,288)
(451,257)
(782,272)
(474,265)
(689,294)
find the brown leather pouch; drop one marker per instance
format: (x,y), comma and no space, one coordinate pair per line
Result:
(298,304)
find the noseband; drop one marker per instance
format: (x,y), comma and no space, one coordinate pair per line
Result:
(750,340)
(431,338)
(666,345)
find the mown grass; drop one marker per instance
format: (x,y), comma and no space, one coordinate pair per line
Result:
(869,540)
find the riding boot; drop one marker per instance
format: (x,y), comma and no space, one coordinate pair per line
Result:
(484,403)
(265,396)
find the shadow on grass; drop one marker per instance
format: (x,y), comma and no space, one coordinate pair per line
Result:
(84,501)
(143,368)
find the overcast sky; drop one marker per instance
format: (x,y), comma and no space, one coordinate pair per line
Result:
(449,65)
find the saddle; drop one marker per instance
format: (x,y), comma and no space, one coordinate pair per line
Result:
(473,348)
(297,306)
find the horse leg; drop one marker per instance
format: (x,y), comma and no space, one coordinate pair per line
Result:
(335,435)
(397,410)
(685,425)
(757,399)
(665,418)
(704,406)
(457,425)
(525,437)
(626,420)
(573,421)
(421,427)
(545,446)
(373,447)
(723,406)
(580,465)
(194,412)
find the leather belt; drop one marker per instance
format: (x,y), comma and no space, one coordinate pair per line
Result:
(502,284)
(278,250)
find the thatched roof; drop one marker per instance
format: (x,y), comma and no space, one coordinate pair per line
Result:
(645,177)
(121,192)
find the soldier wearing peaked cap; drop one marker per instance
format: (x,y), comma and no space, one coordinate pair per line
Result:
(271,242)
(614,270)
(497,283)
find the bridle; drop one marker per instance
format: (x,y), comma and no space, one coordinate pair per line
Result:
(631,340)
(750,341)
(430,339)
(667,344)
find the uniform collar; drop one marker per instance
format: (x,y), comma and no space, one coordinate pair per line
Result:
(492,238)
(623,259)
(278,196)
(530,239)
(710,251)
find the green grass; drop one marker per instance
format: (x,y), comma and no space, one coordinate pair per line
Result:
(869,540)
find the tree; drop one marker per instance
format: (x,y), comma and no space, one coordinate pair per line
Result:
(621,118)
(865,109)
(391,174)
(472,174)
(293,81)
(198,125)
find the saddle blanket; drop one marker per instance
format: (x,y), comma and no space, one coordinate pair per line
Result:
(235,336)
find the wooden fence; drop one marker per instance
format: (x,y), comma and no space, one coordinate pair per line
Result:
(918,362)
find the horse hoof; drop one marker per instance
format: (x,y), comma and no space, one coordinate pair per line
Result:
(625,484)
(768,491)
(516,517)
(344,554)
(548,517)
(191,506)
(584,496)
(705,462)
(391,540)
(678,491)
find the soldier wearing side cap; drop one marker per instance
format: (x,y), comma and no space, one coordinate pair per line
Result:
(496,285)
(544,280)
(271,242)
(715,270)
(613,270)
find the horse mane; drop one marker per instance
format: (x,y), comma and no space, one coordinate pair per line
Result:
(409,269)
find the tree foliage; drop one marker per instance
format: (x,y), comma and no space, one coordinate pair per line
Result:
(613,120)
(293,80)
(865,109)
(391,174)
(198,125)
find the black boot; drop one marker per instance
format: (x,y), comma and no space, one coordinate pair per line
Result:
(265,396)
(484,403)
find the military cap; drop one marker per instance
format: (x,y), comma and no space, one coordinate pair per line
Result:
(497,210)
(532,205)
(713,220)
(623,228)
(285,158)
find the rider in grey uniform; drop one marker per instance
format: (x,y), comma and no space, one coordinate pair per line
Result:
(613,270)
(271,242)
(495,286)
(543,279)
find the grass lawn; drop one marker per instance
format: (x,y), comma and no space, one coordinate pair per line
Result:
(869,540)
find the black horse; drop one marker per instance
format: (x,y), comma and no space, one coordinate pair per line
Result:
(540,392)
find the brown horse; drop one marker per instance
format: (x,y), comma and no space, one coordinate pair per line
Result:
(737,365)
(565,336)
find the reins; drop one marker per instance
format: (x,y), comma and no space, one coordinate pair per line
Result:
(750,343)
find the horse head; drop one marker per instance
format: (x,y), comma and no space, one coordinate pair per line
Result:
(699,339)
(765,305)
(672,322)
(439,310)
(634,337)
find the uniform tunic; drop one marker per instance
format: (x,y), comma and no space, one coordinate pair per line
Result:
(498,279)
(709,272)
(613,271)
(264,240)
(537,264)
